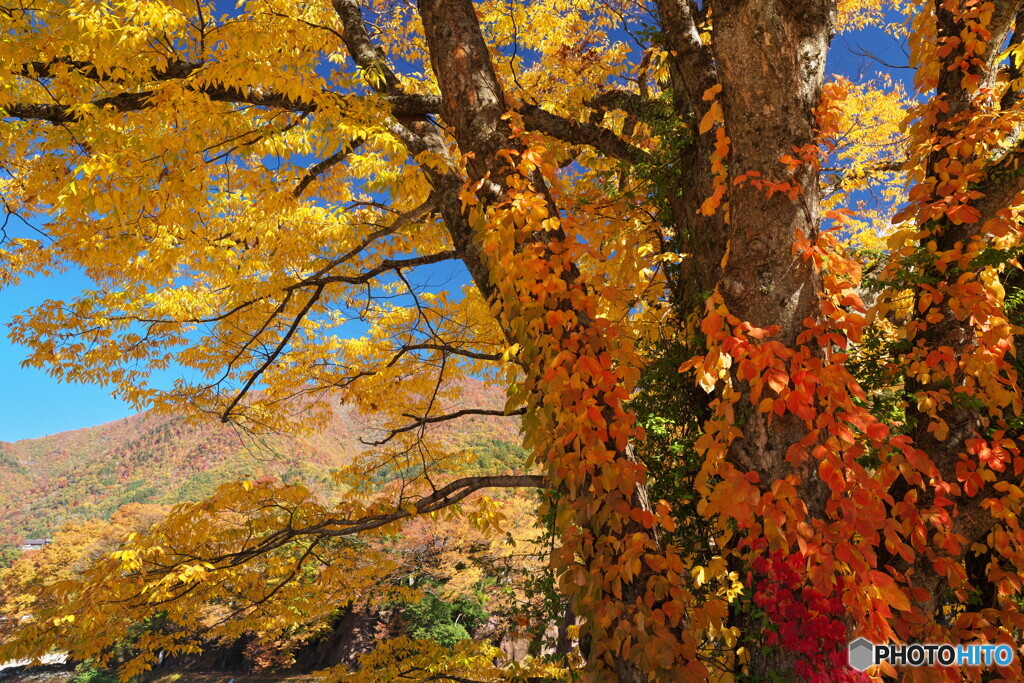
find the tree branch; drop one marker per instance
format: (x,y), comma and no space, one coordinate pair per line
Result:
(1012,93)
(225,416)
(881,167)
(693,67)
(378,74)
(320,283)
(574,132)
(623,100)
(421,421)
(441,498)
(419,135)
(317,169)
(1004,15)
(453,350)
(174,70)
(384,266)
(401,106)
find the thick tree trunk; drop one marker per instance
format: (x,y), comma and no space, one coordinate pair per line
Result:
(770,57)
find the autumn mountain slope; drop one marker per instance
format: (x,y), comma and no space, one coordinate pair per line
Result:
(153,458)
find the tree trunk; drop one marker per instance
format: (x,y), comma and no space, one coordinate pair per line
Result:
(771,57)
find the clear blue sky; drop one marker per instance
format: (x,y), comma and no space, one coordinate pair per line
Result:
(33,404)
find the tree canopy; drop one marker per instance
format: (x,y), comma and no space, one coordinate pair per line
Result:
(757,312)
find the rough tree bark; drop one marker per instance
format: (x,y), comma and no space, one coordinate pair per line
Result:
(771,63)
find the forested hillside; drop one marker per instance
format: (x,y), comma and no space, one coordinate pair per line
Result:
(152,458)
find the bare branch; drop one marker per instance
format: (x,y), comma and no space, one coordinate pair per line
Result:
(422,421)
(317,169)
(225,416)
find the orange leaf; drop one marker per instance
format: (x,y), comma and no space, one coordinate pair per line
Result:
(895,596)
(831,476)
(713,116)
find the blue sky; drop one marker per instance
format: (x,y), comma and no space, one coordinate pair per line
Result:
(33,404)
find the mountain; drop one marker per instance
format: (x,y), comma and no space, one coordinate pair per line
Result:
(150,458)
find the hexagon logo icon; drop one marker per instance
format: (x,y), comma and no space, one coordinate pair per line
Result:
(862,654)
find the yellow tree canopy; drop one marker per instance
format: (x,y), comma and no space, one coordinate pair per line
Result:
(371,200)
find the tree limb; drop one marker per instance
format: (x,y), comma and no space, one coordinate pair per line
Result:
(402,106)
(1012,93)
(174,70)
(419,135)
(225,416)
(320,283)
(623,100)
(378,74)
(441,498)
(421,421)
(383,267)
(317,169)
(881,167)
(577,133)
(693,67)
